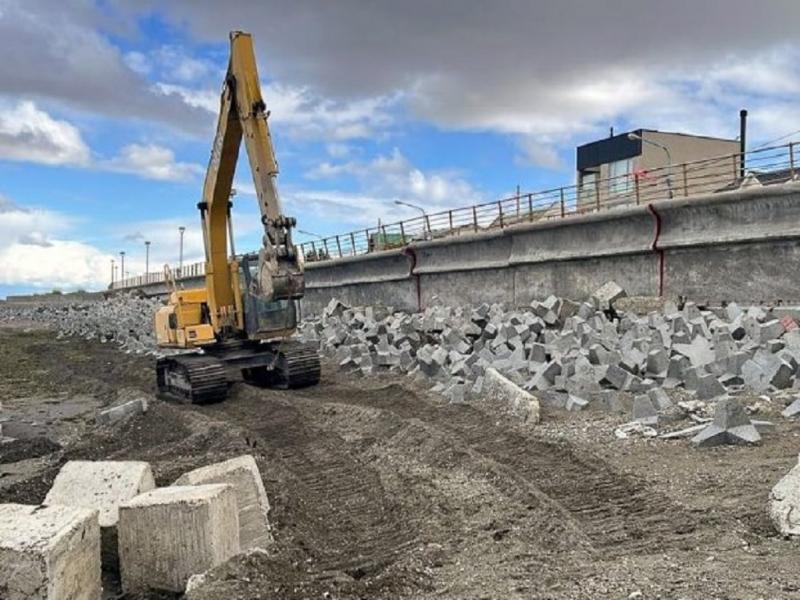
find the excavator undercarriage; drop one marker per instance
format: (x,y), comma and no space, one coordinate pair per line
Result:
(204,378)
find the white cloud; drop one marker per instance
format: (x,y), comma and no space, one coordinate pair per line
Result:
(33,252)
(152,162)
(303,114)
(27,133)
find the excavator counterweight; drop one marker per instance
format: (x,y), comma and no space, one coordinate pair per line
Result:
(241,322)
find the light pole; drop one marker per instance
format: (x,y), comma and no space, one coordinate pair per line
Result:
(113,268)
(316,235)
(634,136)
(122,265)
(426,228)
(181,229)
(146,257)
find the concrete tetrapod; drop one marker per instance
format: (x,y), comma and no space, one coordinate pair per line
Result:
(731,425)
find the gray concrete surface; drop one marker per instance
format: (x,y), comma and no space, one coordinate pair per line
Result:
(169,534)
(696,247)
(49,553)
(251,498)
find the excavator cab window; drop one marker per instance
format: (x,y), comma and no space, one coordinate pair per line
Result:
(263,317)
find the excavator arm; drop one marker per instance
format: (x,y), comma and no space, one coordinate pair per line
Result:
(243,114)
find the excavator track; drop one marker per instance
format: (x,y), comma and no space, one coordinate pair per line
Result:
(192,378)
(295,365)
(298,365)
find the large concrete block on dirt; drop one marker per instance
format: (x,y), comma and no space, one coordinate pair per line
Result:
(103,485)
(509,397)
(168,534)
(784,504)
(251,498)
(49,553)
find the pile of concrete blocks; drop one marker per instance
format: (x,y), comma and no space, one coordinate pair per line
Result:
(124,319)
(575,353)
(110,514)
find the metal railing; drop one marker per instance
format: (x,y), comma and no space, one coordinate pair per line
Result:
(704,176)
(774,164)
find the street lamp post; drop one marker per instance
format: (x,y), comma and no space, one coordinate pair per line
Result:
(634,136)
(426,227)
(113,268)
(146,257)
(181,229)
(122,265)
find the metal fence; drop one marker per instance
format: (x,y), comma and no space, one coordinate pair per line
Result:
(775,164)
(704,176)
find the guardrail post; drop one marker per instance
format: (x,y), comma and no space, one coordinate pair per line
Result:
(500,212)
(791,159)
(428,223)
(366,235)
(314,250)
(403,233)
(475,218)
(685,182)
(637,188)
(530,207)
(339,246)
(561,197)
(353,243)
(450,219)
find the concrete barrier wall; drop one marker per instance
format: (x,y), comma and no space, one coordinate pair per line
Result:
(741,246)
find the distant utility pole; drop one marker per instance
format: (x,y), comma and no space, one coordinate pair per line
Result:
(122,266)
(113,268)
(181,229)
(146,257)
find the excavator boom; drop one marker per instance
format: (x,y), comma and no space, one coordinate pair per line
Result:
(243,114)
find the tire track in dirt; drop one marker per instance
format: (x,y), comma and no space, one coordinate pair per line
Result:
(618,515)
(343,516)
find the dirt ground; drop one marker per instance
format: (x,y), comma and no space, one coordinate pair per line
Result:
(380,489)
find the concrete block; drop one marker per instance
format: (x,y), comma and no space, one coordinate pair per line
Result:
(769,330)
(659,398)
(49,553)
(114,414)
(251,498)
(605,295)
(792,410)
(616,377)
(575,403)
(657,362)
(708,387)
(169,534)
(101,485)
(784,504)
(731,425)
(644,411)
(510,398)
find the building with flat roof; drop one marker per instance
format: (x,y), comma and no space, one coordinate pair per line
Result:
(610,168)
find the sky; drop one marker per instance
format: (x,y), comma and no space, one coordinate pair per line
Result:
(108,109)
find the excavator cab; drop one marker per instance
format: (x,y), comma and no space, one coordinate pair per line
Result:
(263,318)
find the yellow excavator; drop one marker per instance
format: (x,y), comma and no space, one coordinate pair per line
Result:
(240,324)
